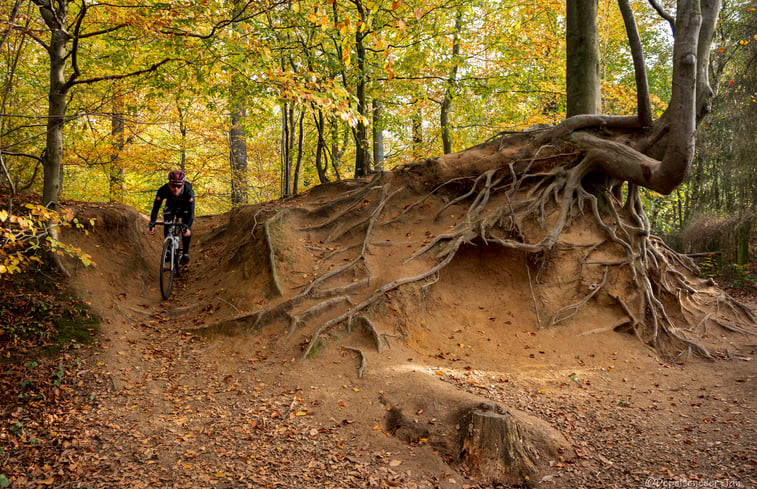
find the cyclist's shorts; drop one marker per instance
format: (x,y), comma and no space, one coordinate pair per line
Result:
(181,214)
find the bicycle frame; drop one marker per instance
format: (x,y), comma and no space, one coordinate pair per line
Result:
(170,256)
(174,237)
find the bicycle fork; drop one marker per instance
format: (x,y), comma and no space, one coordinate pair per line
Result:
(174,250)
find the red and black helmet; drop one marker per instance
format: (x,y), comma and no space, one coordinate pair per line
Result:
(176,176)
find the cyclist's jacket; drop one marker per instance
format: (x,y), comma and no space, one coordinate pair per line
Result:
(181,206)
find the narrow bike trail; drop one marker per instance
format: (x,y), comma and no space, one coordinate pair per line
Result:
(168,408)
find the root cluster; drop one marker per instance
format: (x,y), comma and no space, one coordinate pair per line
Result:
(523,204)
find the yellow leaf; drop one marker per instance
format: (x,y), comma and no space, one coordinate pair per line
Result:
(3,215)
(301,413)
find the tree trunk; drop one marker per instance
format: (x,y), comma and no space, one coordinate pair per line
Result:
(336,151)
(300,148)
(417,128)
(183,141)
(8,90)
(286,155)
(320,148)
(378,135)
(237,131)
(451,83)
(116,170)
(55,118)
(238,155)
(583,75)
(362,155)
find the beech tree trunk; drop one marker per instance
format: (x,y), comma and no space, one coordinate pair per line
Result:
(378,135)
(237,131)
(449,94)
(320,164)
(582,63)
(116,171)
(238,156)
(300,149)
(56,112)
(362,154)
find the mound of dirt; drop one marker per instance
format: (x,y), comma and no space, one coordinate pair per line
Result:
(357,336)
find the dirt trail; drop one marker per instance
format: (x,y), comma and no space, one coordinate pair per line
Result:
(172,408)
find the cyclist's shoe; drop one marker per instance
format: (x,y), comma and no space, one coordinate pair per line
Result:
(184,259)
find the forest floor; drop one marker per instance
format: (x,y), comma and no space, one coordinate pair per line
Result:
(155,403)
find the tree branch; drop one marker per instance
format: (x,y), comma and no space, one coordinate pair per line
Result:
(120,77)
(637,53)
(671,20)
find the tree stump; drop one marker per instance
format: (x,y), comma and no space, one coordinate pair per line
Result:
(509,448)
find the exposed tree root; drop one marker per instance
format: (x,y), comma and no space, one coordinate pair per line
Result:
(271,249)
(523,201)
(363,363)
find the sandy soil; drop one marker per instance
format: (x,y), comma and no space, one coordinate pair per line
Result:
(173,405)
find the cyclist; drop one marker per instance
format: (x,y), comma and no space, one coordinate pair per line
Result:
(179,201)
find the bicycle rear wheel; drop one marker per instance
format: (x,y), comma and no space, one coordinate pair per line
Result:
(166,269)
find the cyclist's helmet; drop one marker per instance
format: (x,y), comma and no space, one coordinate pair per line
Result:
(176,176)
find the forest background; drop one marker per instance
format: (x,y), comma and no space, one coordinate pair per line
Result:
(262,100)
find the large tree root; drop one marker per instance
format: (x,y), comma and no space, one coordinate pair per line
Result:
(525,201)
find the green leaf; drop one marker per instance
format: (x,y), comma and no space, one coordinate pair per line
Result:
(4,482)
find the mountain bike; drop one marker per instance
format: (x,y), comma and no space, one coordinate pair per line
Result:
(170,258)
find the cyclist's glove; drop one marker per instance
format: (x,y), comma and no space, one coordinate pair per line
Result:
(151,226)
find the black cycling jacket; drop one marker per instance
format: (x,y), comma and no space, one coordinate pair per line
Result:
(184,203)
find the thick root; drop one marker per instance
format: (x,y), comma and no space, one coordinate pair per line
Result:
(517,201)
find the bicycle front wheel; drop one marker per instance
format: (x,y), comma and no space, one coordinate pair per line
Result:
(166,269)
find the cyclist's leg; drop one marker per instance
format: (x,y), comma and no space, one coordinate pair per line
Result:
(186,238)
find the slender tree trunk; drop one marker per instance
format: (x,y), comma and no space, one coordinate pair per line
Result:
(7,92)
(238,155)
(378,135)
(183,133)
(417,128)
(320,148)
(583,75)
(237,131)
(116,170)
(55,118)
(336,151)
(451,83)
(300,149)
(286,156)
(362,155)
